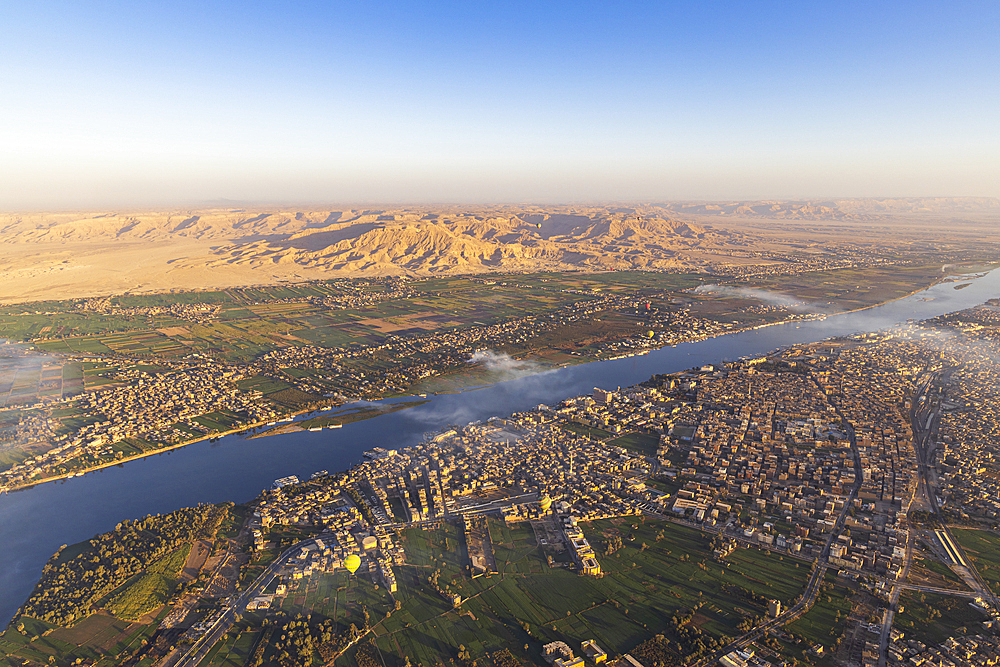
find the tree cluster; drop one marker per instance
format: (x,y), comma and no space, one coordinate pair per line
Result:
(367,656)
(68,588)
(504,658)
(366,511)
(656,652)
(924,519)
(300,642)
(691,639)
(614,544)
(745,594)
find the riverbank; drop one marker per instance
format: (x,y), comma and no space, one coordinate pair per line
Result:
(119,462)
(321,422)
(474,381)
(459,379)
(34,523)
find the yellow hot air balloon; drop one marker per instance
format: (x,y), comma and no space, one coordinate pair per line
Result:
(352,563)
(545,502)
(650,334)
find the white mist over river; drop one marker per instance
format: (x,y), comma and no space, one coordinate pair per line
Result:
(35,522)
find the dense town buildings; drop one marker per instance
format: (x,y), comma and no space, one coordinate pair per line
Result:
(968,445)
(143,407)
(832,454)
(769,452)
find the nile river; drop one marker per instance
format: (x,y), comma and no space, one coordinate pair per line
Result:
(35,522)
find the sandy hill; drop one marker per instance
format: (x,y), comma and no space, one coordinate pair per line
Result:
(420,244)
(66,255)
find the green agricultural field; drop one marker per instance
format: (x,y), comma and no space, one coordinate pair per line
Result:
(644,280)
(126,449)
(73,418)
(98,639)
(667,485)
(147,591)
(72,372)
(933,618)
(849,289)
(531,603)
(219,421)
(582,429)
(264,385)
(233,650)
(11,456)
(63,322)
(171,298)
(825,621)
(642,443)
(983,549)
(293,399)
(94,633)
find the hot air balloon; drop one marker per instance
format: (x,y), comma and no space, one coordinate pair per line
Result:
(545,503)
(650,334)
(352,563)
(539,225)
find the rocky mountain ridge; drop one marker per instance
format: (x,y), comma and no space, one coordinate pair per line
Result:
(50,255)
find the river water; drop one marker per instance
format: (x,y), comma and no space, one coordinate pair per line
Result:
(35,522)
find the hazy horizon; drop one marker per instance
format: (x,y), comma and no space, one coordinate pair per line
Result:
(426,103)
(278,206)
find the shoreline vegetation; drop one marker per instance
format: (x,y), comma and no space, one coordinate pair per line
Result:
(363,413)
(295,427)
(702,572)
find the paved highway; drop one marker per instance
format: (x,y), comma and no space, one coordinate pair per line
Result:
(225,621)
(932,412)
(925,415)
(923,409)
(808,597)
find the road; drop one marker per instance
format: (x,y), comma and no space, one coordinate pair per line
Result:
(940,591)
(924,410)
(808,597)
(926,420)
(889,615)
(225,621)
(925,417)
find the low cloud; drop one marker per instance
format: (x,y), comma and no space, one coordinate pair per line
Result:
(522,385)
(363,403)
(15,357)
(959,346)
(504,364)
(767,296)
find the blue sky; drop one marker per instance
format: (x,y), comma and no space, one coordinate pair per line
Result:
(121,104)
